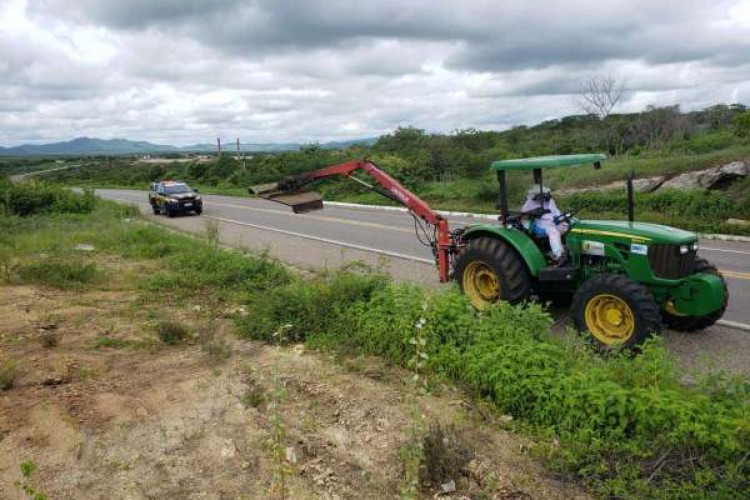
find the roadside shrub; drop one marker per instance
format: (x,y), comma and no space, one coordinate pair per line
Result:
(34,198)
(171,332)
(59,273)
(8,374)
(253,397)
(49,339)
(206,266)
(310,308)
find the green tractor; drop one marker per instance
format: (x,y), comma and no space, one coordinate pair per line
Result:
(626,279)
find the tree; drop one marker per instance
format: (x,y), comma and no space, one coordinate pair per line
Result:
(742,124)
(599,95)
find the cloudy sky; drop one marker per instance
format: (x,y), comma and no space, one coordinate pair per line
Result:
(187,71)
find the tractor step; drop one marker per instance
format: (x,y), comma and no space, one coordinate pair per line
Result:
(555,273)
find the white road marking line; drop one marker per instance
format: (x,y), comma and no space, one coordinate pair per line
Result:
(734,324)
(326,240)
(735,274)
(726,250)
(314,217)
(289,213)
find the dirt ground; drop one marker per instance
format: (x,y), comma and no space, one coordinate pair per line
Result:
(110,412)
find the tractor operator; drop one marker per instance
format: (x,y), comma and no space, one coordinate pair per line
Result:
(546,221)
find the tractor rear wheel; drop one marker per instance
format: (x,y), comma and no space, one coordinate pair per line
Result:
(686,323)
(489,270)
(617,311)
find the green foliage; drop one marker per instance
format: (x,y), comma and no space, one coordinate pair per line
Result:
(742,124)
(29,199)
(713,141)
(191,269)
(625,425)
(28,467)
(306,307)
(171,332)
(59,272)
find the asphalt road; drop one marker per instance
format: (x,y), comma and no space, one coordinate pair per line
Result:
(336,235)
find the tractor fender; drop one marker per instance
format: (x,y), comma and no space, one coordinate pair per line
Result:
(521,242)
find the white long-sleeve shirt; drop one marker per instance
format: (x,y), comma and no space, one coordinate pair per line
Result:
(532,204)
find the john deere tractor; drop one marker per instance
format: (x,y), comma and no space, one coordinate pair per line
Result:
(626,278)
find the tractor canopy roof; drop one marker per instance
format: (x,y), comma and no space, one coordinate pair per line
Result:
(547,162)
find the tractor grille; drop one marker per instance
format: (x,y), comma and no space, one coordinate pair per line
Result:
(667,263)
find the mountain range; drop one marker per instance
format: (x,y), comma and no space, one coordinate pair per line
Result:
(85,146)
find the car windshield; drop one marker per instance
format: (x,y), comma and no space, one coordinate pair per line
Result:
(177,189)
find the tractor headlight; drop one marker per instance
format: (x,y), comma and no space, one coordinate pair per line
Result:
(684,249)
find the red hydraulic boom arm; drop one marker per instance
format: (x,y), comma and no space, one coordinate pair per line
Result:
(291,191)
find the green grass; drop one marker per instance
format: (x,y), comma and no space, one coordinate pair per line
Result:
(59,273)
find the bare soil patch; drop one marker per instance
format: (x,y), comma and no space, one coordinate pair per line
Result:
(110,412)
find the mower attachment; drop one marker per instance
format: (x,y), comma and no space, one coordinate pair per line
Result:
(300,200)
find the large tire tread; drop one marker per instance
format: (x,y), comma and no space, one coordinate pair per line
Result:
(510,268)
(639,298)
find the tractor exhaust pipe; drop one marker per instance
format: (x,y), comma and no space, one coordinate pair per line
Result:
(631,202)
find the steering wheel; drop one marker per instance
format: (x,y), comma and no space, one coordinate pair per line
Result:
(567,216)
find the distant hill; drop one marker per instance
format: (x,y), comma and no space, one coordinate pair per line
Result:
(91,146)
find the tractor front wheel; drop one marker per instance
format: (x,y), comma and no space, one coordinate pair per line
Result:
(686,323)
(617,311)
(489,270)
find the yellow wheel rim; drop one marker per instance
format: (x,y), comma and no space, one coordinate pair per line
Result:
(481,284)
(610,319)
(671,309)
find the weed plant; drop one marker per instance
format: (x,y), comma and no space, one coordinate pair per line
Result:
(171,332)
(27,485)
(8,374)
(59,272)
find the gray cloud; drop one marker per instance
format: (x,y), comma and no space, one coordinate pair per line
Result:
(279,70)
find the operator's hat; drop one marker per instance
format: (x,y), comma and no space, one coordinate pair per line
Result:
(536,191)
